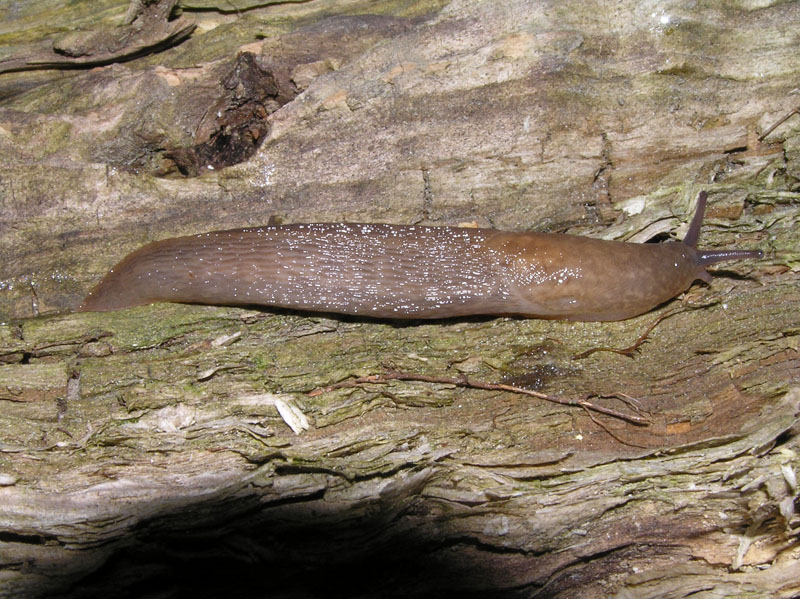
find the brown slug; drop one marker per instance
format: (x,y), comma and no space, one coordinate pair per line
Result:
(395,271)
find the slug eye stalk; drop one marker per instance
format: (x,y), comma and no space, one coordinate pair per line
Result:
(706,257)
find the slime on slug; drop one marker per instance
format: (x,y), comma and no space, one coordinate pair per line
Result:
(411,271)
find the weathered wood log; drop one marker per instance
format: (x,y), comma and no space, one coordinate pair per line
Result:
(197,449)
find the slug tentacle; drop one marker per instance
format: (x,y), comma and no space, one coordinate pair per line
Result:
(397,271)
(706,257)
(693,234)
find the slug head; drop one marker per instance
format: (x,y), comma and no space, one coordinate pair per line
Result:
(705,257)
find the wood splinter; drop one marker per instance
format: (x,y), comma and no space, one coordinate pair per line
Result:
(778,123)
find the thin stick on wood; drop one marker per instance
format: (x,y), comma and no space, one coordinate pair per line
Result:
(631,349)
(778,123)
(611,433)
(463,381)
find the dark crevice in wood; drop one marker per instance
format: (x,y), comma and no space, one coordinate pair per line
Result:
(250,94)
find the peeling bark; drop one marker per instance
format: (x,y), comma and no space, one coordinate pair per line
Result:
(189,449)
(147,29)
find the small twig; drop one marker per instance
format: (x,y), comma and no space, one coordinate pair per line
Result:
(463,381)
(778,123)
(631,349)
(616,437)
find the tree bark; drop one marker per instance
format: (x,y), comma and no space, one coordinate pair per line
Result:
(180,449)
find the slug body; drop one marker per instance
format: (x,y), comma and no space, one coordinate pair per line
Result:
(395,271)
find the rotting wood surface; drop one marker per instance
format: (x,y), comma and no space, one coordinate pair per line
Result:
(136,445)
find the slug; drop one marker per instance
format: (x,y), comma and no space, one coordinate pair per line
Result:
(395,271)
